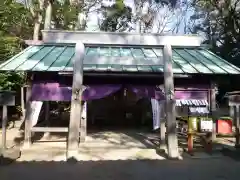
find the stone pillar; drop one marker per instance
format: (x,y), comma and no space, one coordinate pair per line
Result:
(172,142)
(75,113)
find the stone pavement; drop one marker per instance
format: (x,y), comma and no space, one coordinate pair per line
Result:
(197,169)
(114,156)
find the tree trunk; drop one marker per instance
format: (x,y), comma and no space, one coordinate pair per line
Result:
(48,15)
(81,20)
(38,20)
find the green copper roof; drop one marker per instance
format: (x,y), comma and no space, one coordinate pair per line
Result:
(59,57)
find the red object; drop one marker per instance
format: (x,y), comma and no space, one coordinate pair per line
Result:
(224,126)
(190,144)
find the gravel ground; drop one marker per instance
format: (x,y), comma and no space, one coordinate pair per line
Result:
(198,169)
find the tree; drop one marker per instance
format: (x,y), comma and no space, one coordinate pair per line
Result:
(219,22)
(146,12)
(15,25)
(64,15)
(116,17)
(15,19)
(36,8)
(83,8)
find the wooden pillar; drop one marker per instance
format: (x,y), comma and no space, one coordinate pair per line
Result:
(46,118)
(75,113)
(172,142)
(48,15)
(4,128)
(28,123)
(231,111)
(237,126)
(23,102)
(163,145)
(213,108)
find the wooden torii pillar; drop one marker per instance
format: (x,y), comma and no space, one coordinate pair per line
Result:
(76,105)
(172,141)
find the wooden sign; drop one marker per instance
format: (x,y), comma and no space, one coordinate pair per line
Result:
(7,98)
(234,100)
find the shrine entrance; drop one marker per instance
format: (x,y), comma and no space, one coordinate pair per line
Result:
(121,110)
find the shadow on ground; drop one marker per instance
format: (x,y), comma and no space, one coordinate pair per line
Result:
(128,139)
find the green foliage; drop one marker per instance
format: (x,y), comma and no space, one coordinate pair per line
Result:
(219,22)
(15,25)
(116,17)
(10,46)
(15,19)
(64,15)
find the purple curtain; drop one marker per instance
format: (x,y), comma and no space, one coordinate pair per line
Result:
(57,92)
(147,92)
(51,92)
(99,91)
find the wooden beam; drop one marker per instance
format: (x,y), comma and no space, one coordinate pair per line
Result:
(172,141)
(75,113)
(121,38)
(49,129)
(4,128)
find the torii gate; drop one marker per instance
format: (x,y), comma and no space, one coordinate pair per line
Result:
(107,38)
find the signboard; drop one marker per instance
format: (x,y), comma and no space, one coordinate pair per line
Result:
(155,113)
(234,99)
(7,98)
(35,111)
(192,124)
(206,125)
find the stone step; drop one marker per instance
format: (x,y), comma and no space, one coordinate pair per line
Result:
(85,155)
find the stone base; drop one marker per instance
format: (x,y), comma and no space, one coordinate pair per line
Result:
(72,154)
(26,145)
